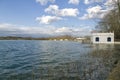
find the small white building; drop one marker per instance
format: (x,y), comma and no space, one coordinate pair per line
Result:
(102,38)
(80,39)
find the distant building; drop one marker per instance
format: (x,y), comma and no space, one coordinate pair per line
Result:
(102,38)
(80,39)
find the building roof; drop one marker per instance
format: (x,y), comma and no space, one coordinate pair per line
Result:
(103,34)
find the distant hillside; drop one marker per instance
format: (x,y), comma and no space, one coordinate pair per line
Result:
(63,37)
(31,38)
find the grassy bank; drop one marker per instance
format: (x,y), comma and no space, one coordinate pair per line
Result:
(115,73)
(111,58)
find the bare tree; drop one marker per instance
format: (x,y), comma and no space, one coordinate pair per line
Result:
(111,21)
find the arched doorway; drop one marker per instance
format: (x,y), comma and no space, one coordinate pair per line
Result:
(97,39)
(109,39)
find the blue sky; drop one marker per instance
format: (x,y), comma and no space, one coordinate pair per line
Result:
(50,17)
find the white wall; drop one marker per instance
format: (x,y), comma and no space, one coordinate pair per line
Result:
(102,37)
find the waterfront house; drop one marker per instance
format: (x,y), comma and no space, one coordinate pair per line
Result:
(102,38)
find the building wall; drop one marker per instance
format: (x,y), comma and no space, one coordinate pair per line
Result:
(102,37)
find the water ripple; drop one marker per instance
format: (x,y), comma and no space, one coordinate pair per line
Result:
(52,60)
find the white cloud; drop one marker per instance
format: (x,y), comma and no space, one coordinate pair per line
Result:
(69,12)
(76,2)
(64,30)
(44,2)
(109,4)
(41,31)
(86,1)
(81,31)
(92,1)
(94,12)
(94,9)
(98,11)
(18,30)
(54,9)
(48,19)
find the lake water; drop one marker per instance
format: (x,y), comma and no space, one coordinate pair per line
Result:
(55,60)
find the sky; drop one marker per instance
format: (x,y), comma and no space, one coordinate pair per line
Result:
(43,18)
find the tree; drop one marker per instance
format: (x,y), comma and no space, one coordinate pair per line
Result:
(111,21)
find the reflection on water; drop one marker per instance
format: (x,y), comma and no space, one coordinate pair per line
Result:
(54,60)
(103,46)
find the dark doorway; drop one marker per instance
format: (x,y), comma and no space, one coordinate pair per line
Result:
(109,39)
(97,39)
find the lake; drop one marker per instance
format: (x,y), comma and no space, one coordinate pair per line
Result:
(55,60)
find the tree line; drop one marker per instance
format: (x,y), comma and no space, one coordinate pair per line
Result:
(37,38)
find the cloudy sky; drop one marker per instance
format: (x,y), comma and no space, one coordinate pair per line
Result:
(40,18)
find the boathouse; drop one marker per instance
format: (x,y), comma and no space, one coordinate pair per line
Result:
(102,38)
